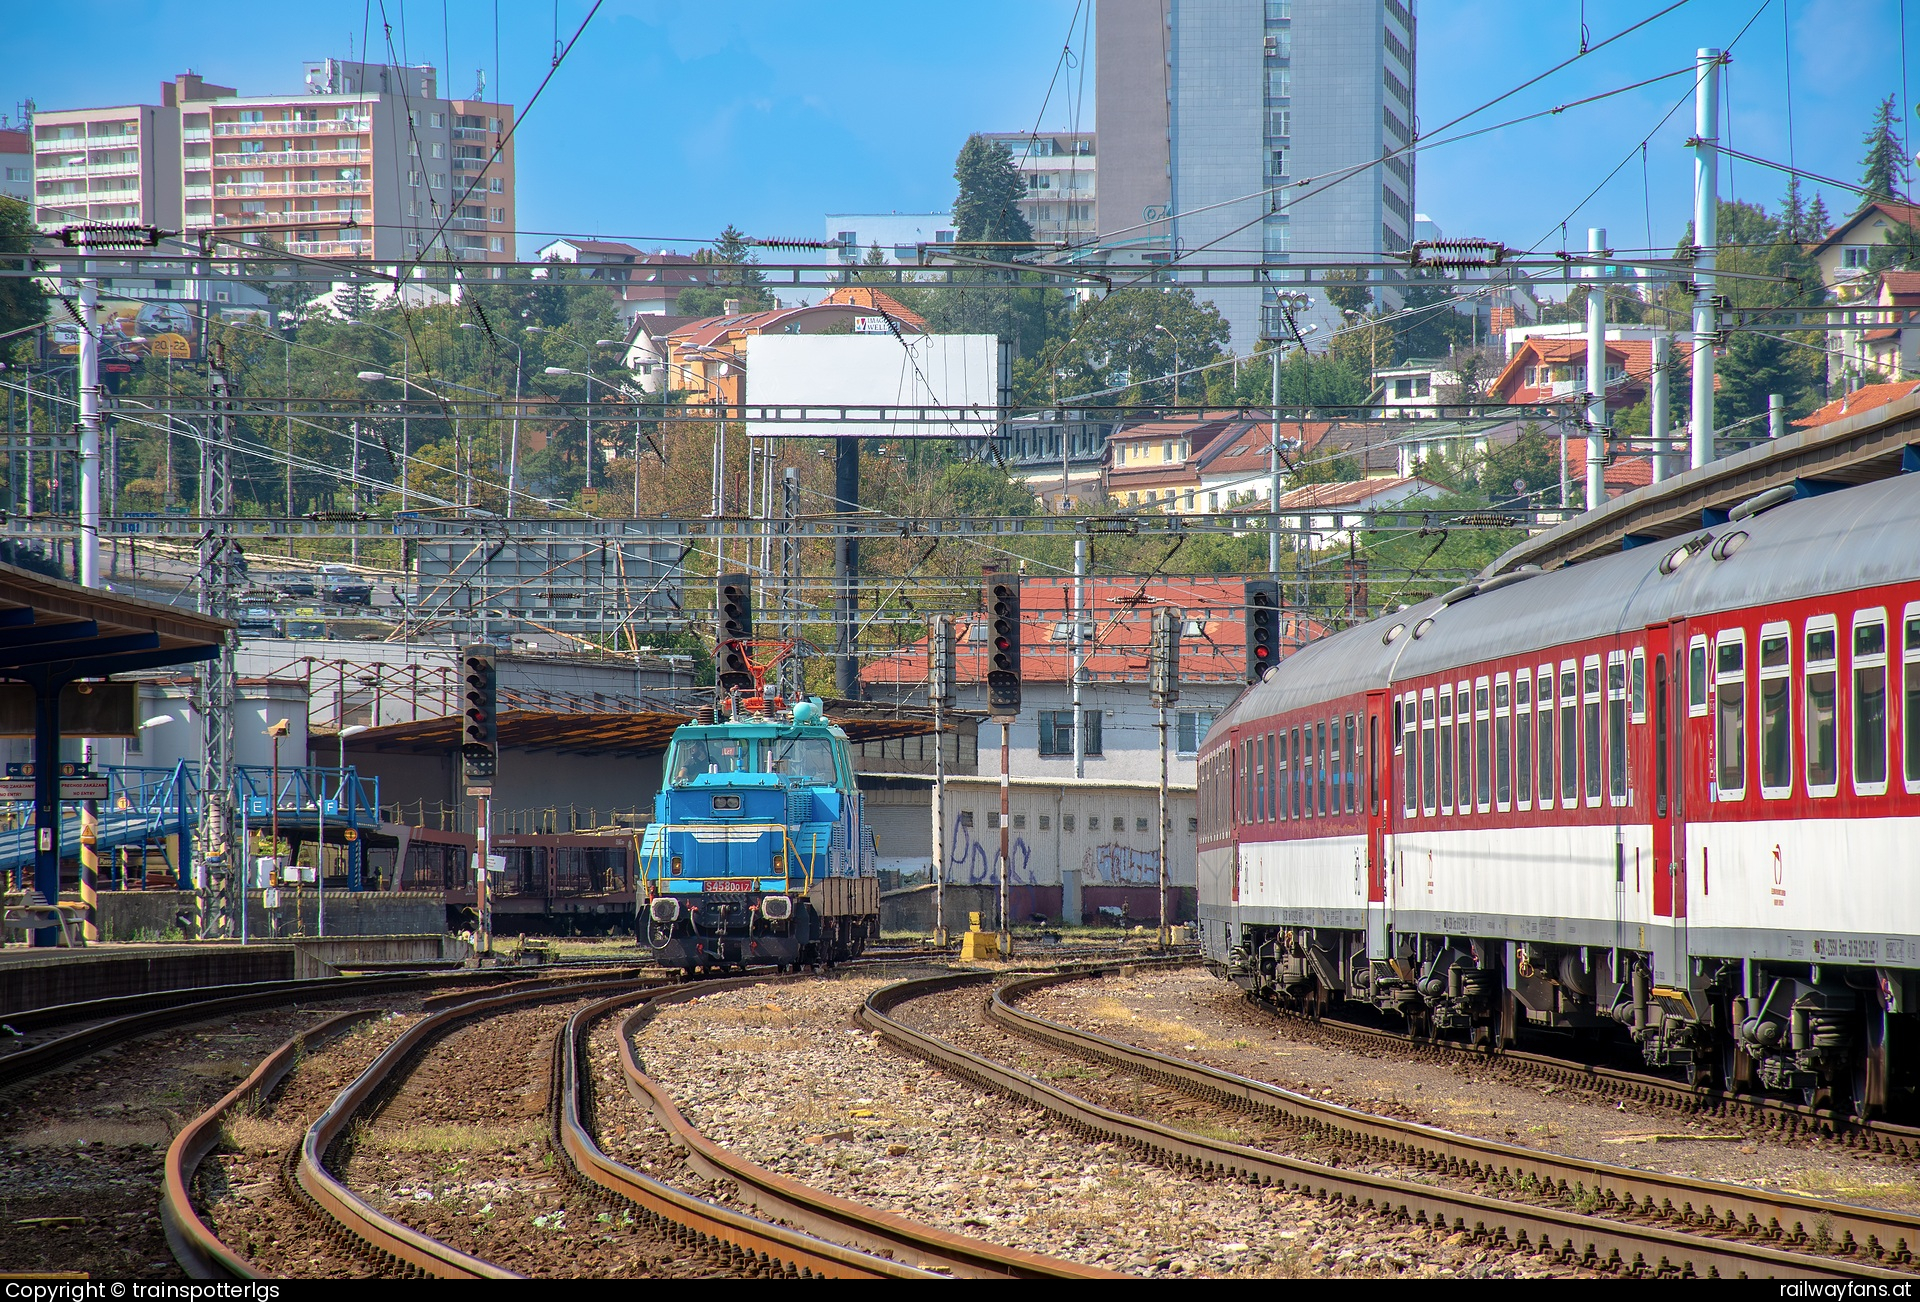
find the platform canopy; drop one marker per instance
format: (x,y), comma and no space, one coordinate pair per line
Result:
(56,631)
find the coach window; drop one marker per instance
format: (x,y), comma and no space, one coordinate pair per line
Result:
(1637,682)
(1617,727)
(1523,740)
(1463,736)
(1502,743)
(1697,677)
(1352,753)
(1910,720)
(1870,702)
(1336,765)
(1320,769)
(1776,712)
(1730,725)
(1590,720)
(1300,771)
(1446,750)
(1482,748)
(1275,745)
(1282,774)
(1426,754)
(1410,743)
(1543,710)
(1569,734)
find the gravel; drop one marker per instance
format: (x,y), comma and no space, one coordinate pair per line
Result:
(1193,1014)
(779,1074)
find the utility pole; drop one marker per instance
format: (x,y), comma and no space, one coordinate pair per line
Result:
(1706,236)
(942,678)
(218,576)
(1660,409)
(89,382)
(1079,645)
(1776,416)
(1596,374)
(791,672)
(846,569)
(1273,467)
(1163,686)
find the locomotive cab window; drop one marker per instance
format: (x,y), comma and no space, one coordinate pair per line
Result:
(1730,716)
(1910,682)
(1870,702)
(1776,712)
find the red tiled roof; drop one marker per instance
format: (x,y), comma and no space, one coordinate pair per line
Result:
(1622,473)
(611,248)
(1635,356)
(878,301)
(1347,493)
(1899,212)
(1862,399)
(1900,283)
(1121,611)
(710,330)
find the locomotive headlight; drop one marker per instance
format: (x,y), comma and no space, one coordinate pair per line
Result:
(665,910)
(776,908)
(676,865)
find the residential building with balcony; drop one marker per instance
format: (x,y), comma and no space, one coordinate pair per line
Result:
(367,162)
(16,164)
(898,235)
(1209,109)
(1059,169)
(647,284)
(1552,367)
(1060,455)
(707,355)
(1845,253)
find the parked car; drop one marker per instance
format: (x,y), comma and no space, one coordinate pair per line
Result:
(295,583)
(259,619)
(338,583)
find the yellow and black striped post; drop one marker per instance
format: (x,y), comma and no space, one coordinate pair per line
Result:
(90,870)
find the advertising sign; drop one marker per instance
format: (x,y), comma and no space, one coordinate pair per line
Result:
(168,329)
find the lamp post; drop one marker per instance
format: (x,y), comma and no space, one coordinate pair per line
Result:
(277,731)
(375,377)
(320,853)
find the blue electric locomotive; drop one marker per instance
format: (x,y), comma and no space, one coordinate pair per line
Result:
(759,851)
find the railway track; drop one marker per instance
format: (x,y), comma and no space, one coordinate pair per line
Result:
(732,1241)
(1624,1239)
(1777,1116)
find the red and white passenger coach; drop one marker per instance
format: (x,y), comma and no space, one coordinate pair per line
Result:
(1676,789)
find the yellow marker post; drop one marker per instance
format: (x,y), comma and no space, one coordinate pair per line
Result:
(90,871)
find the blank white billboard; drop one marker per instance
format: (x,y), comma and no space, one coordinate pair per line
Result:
(874,385)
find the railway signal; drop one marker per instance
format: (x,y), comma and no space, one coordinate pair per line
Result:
(943,677)
(1263,627)
(734,600)
(480,728)
(1003,638)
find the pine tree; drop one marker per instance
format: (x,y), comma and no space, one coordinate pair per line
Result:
(988,206)
(1793,213)
(732,248)
(1881,167)
(1818,221)
(355,300)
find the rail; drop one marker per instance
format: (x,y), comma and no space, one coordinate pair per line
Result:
(1595,1241)
(1739,1209)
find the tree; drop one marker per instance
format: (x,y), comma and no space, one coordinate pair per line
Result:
(1431,327)
(1129,339)
(22,301)
(1881,168)
(988,207)
(731,248)
(354,300)
(1818,222)
(1793,212)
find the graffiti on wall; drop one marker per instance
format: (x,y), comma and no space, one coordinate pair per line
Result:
(1120,865)
(976,863)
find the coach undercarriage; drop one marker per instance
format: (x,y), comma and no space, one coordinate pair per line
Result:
(1819,1036)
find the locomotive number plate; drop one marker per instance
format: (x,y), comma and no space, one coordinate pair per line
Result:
(730,885)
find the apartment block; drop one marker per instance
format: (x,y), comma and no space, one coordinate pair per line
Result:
(1059,169)
(368,161)
(16,164)
(1211,110)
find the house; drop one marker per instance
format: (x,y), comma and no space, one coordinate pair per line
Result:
(645,283)
(1863,399)
(1121,742)
(708,354)
(1892,349)
(1411,388)
(1844,253)
(1149,462)
(1323,509)
(1553,369)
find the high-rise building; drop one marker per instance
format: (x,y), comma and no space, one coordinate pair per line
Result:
(1210,110)
(1059,170)
(368,162)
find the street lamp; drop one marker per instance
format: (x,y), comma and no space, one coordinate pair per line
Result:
(513,455)
(406,369)
(589,377)
(320,849)
(277,731)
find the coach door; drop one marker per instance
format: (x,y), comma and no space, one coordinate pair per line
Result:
(1667,720)
(1379,779)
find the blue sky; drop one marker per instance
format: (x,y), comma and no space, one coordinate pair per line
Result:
(670,119)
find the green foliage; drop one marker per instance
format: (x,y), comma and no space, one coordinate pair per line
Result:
(990,189)
(1128,340)
(1433,328)
(1306,380)
(22,301)
(1880,169)
(975,488)
(732,247)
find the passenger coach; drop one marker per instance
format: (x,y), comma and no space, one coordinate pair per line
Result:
(1673,789)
